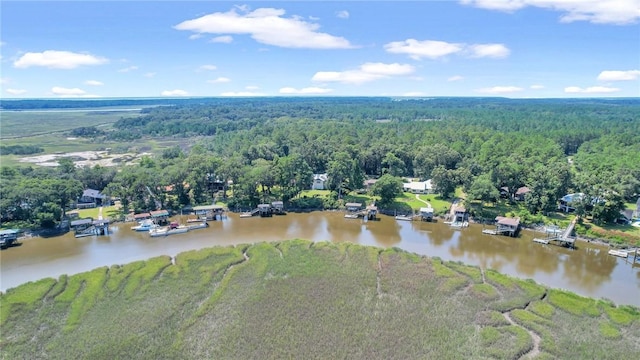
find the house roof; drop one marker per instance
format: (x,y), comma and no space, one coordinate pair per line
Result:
(321,177)
(522,190)
(507,221)
(141,215)
(418,185)
(262,206)
(93,194)
(81,222)
(426,210)
(207,207)
(459,209)
(353,205)
(370,182)
(157,213)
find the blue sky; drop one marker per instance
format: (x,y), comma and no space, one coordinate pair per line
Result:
(511,48)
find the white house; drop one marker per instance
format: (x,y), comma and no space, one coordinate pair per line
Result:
(319,181)
(418,187)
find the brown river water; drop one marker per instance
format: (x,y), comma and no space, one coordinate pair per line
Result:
(588,270)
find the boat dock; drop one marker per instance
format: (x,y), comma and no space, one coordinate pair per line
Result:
(564,239)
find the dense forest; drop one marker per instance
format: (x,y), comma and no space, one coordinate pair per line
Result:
(254,149)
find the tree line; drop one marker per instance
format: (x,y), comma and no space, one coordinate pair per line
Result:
(250,150)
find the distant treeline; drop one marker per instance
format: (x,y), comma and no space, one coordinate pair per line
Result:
(20,149)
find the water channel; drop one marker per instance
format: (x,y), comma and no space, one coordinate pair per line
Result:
(588,270)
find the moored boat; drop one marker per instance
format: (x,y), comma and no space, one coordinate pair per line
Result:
(145,225)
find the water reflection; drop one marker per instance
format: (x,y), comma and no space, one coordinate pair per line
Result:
(588,270)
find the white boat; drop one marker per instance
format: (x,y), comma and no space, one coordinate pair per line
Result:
(145,225)
(620,253)
(168,230)
(201,225)
(351,216)
(404,218)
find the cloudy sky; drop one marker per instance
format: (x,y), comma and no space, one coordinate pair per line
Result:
(511,48)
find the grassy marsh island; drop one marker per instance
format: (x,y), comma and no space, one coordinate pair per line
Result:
(299,299)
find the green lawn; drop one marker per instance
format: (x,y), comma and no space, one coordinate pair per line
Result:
(108,212)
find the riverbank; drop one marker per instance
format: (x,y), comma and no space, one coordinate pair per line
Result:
(295,298)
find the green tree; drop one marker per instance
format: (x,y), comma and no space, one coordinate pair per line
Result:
(444,181)
(388,187)
(484,190)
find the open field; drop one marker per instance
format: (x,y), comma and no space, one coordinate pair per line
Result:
(18,124)
(298,299)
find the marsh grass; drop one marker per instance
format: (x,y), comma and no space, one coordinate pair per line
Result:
(573,303)
(24,297)
(609,331)
(622,315)
(297,299)
(506,342)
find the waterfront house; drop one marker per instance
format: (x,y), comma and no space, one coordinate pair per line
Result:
(521,193)
(353,207)
(264,210)
(8,237)
(507,226)
(569,202)
(277,207)
(426,213)
(208,212)
(159,216)
(319,181)
(459,214)
(91,198)
(418,187)
(81,224)
(368,184)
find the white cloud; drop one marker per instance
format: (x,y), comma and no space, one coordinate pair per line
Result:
(344,14)
(417,50)
(55,59)
(4,80)
(365,73)
(455,78)
(94,83)
(71,92)
(434,49)
(16,91)
(57,90)
(207,67)
(266,26)
(176,92)
(489,50)
(536,87)
(500,90)
(224,39)
(590,90)
(150,74)
(219,80)
(241,93)
(195,36)
(595,11)
(129,68)
(252,87)
(305,91)
(615,75)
